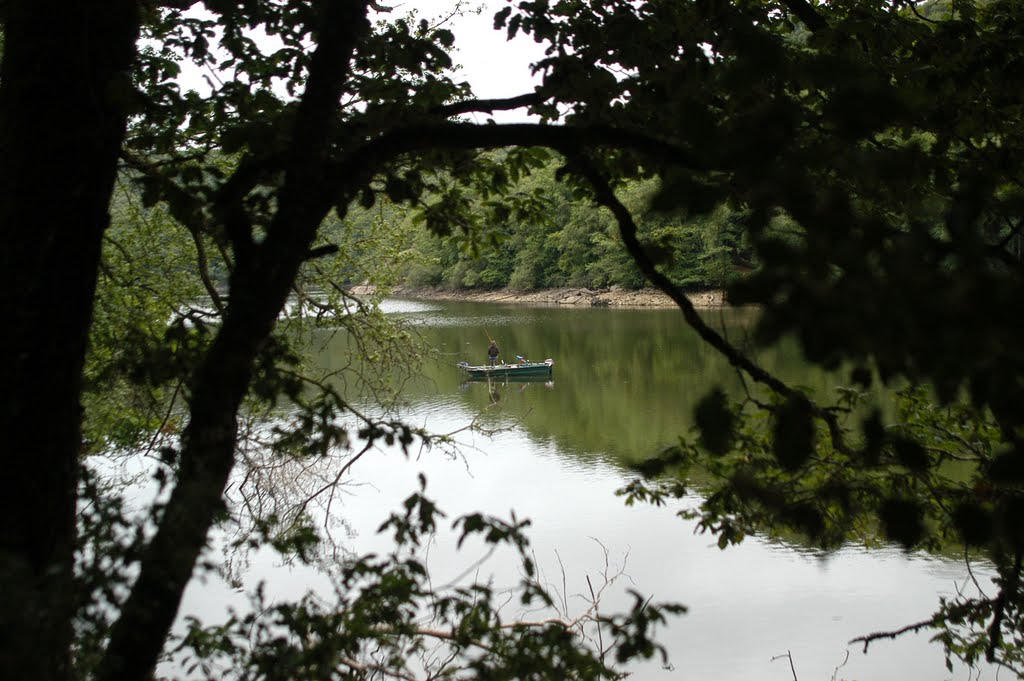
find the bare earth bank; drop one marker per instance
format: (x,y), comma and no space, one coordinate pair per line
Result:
(610,297)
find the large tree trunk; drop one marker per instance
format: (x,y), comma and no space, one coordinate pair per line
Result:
(64,86)
(260,285)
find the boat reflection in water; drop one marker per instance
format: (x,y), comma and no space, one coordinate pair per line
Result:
(496,385)
(547,381)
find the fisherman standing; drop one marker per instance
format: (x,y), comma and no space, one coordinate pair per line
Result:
(492,353)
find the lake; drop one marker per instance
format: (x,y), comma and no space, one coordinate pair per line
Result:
(625,383)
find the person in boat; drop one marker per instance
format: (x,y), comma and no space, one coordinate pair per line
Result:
(492,353)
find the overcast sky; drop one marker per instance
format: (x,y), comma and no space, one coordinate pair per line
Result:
(493,66)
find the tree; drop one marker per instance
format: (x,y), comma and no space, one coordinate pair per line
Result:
(247,171)
(825,118)
(886,141)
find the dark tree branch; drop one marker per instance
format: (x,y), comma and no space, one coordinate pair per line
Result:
(627,226)
(260,286)
(806,13)
(228,206)
(953,612)
(912,6)
(379,151)
(628,229)
(489,105)
(896,633)
(792,667)
(172,4)
(321,251)
(1015,230)
(1006,593)
(204,271)
(196,225)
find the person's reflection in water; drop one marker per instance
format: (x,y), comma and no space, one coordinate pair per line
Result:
(492,391)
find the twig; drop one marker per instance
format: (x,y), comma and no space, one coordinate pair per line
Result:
(995,635)
(835,672)
(791,667)
(488,105)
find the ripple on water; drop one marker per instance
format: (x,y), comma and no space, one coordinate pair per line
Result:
(404,306)
(431,313)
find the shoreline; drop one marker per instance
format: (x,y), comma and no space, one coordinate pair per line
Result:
(574,297)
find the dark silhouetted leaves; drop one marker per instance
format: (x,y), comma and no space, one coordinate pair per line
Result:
(807,518)
(861,376)
(1008,513)
(874,437)
(793,436)
(911,454)
(973,523)
(902,521)
(501,17)
(670,457)
(1007,468)
(715,421)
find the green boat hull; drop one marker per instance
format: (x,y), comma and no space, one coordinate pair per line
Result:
(510,371)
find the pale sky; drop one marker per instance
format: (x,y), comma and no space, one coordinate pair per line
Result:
(494,67)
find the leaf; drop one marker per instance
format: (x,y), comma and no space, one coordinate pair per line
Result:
(367,198)
(902,520)
(874,437)
(806,518)
(973,522)
(399,189)
(715,421)
(793,441)
(1007,468)
(861,376)
(513,26)
(911,454)
(501,17)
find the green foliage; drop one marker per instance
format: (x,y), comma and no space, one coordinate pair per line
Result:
(543,235)
(862,159)
(138,359)
(924,480)
(198,237)
(868,160)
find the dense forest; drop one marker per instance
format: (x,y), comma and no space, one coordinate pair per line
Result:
(562,239)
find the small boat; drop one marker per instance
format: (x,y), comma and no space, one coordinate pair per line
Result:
(521,369)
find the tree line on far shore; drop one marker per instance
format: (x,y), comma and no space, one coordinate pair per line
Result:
(560,239)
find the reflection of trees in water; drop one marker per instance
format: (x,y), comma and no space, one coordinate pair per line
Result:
(290,499)
(628,380)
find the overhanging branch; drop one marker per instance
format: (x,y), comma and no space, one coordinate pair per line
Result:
(465,136)
(489,105)
(224,374)
(628,229)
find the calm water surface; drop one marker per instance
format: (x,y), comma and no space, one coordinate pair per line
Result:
(625,383)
